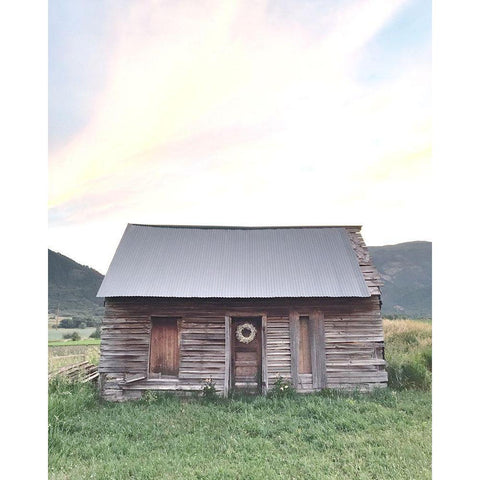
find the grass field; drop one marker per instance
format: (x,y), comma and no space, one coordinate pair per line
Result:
(68,353)
(85,341)
(382,435)
(385,435)
(54,334)
(408,351)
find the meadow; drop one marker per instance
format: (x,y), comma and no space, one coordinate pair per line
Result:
(61,354)
(54,334)
(408,351)
(385,434)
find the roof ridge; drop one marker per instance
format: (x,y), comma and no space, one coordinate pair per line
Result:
(240,227)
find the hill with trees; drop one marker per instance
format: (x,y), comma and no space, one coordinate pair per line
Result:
(72,288)
(406,270)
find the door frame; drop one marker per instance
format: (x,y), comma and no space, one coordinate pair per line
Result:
(317,346)
(228,383)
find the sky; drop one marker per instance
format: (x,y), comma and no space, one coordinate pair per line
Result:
(293,112)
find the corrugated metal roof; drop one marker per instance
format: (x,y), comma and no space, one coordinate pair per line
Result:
(234,262)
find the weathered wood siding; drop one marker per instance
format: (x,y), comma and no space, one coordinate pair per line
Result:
(370,273)
(349,332)
(354,345)
(304,356)
(202,350)
(164,347)
(278,348)
(125,347)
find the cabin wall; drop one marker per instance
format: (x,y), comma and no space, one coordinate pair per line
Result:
(125,346)
(350,337)
(354,346)
(278,348)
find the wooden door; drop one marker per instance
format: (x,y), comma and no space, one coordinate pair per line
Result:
(304,354)
(246,354)
(164,351)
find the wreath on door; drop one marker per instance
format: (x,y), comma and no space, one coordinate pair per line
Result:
(246,332)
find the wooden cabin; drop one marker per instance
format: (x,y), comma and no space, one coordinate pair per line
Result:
(242,306)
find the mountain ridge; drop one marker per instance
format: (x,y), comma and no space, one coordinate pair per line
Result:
(72,287)
(406,270)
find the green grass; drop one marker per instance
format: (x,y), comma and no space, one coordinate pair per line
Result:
(68,353)
(85,341)
(383,435)
(408,351)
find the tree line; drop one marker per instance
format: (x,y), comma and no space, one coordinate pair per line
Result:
(79,322)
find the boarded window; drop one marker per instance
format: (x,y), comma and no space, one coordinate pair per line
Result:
(164,351)
(304,354)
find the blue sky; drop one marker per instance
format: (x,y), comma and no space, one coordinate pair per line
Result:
(78,59)
(406,38)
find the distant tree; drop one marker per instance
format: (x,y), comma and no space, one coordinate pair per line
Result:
(92,322)
(67,323)
(75,336)
(96,334)
(80,322)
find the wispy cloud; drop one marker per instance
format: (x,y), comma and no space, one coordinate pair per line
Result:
(212,108)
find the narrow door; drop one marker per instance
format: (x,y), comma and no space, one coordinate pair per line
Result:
(164,352)
(246,354)
(304,354)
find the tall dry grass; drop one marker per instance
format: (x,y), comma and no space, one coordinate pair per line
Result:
(61,356)
(408,351)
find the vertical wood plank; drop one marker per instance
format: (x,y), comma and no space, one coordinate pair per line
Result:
(164,348)
(150,325)
(313,330)
(304,346)
(294,344)
(321,350)
(228,352)
(264,356)
(319,375)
